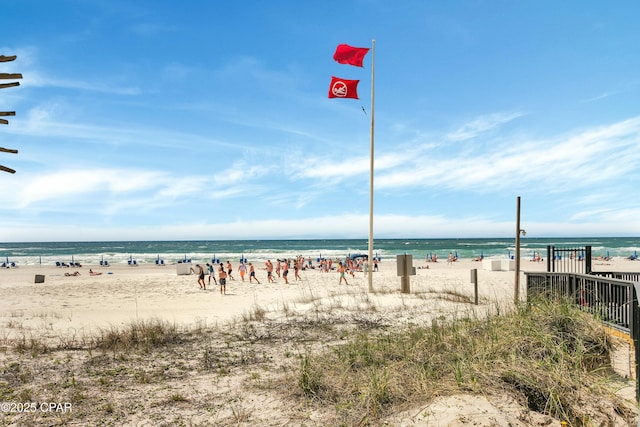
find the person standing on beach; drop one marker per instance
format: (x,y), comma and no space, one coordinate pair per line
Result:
(342,269)
(269,266)
(242,269)
(230,270)
(296,269)
(252,274)
(222,275)
(212,274)
(201,277)
(285,271)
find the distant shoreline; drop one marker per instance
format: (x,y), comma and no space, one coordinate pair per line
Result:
(120,252)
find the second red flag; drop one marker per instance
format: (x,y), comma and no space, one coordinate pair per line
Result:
(343,88)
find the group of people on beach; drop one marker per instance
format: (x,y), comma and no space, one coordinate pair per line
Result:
(77,273)
(280,269)
(222,275)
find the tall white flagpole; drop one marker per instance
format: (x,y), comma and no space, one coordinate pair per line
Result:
(370,262)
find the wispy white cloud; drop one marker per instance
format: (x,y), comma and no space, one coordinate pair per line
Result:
(59,186)
(111,190)
(38,79)
(482,125)
(600,155)
(336,168)
(37,76)
(56,120)
(599,97)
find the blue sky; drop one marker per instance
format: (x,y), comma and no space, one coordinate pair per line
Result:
(140,119)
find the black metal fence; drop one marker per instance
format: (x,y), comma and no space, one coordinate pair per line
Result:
(569,260)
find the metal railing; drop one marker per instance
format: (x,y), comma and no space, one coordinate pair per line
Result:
(569,260)
(627,277)
(609,299)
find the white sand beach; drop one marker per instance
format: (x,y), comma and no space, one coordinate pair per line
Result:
(122,293)
(80,305)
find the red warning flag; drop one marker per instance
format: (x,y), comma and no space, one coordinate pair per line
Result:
(346,54)
(343,88)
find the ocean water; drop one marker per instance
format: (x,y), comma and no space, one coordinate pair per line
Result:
(147,252)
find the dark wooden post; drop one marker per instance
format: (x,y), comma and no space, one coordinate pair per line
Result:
(634,325)
(7,76)
(474,280)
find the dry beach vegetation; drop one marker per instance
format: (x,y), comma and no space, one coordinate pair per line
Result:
(144,346)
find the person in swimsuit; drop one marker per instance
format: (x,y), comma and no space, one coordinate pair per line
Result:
(223,279)
(341,270)
(269,266)
(230,270)
(201,277)
(252,274)
(285,271)
(242,269)
(296,269)
(212,274)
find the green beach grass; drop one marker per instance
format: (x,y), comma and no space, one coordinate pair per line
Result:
(328,367)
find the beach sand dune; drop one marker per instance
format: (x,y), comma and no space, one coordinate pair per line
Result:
(85,304)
